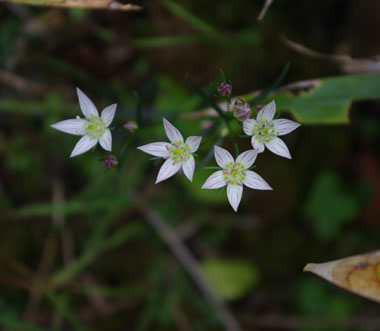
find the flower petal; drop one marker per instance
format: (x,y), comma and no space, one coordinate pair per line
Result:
(234,194)
(156,149)
(247,158)
(172,132)
(216,180)
(106,141)
(108,113)
(268,112)
(277,146)
(248,126)
(167,170)
(193,142)
(284,126)
(73,126)
(86,105)
(255,181)
(222,156)
(83,145)
(188,168)
(257,145)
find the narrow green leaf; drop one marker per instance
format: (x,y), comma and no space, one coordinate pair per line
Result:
(208,100)
(11,322)
(221,190)
(279,79)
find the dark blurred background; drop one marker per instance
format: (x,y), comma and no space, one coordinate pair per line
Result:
(76,252)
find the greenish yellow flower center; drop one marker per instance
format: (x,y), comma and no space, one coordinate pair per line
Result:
(264,131)
(234,173)
(95,127)
(179,151)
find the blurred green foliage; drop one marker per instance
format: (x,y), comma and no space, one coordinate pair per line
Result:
(331,204)
(230,279)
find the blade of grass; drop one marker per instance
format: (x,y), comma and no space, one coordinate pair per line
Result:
(272,87)
(195,21)
(10,322)
(60,303)
(129,231)
(167,41)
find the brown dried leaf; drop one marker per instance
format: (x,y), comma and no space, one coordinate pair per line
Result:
(87,4)
(358,274)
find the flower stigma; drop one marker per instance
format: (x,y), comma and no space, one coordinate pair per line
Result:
(179,151)
(264,131)
(234,173)
(95,127)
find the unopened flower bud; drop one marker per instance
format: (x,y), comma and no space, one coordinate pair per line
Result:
(224,132)
(206,124)
(242,111)
(110,161)
(224,89)
(259,107)
(130,126)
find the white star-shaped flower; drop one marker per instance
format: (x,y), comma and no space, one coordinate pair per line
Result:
(93,128)
(265,131)
(178,153)
(235,174)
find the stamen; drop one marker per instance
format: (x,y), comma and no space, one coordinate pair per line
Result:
(168,147)
(225,171)
(240,184)
(228,182)
(175,162)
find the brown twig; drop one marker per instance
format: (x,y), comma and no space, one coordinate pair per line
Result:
(346,62)
(191,265)
(20,83)
(264,9)
(88,4)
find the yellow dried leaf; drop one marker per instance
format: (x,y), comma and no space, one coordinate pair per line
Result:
(87,4)
(358,274)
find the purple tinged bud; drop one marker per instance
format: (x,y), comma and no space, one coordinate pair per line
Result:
(206,124)
(242,111)
(224,89)
(130,126)
(259,107)
(110,161)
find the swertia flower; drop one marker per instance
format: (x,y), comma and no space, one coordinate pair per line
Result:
(93,128)
(265,131)
(235,174)
(178,153)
